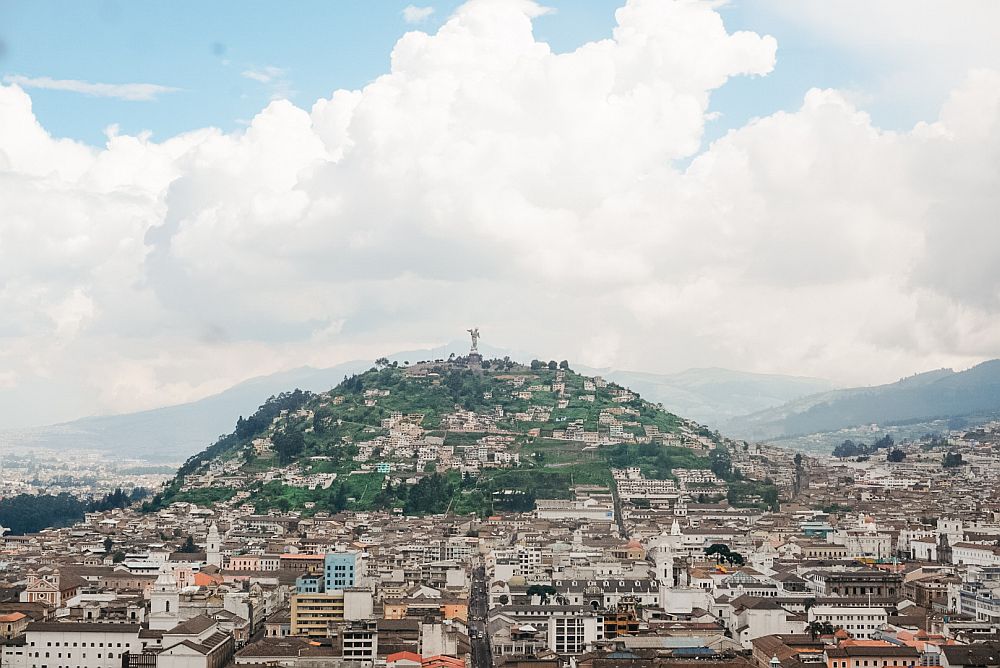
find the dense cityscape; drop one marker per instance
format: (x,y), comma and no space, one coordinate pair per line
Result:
(397,536)
(500,334)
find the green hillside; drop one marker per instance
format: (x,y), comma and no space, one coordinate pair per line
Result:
(438,436)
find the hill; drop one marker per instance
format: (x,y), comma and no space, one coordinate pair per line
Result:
(936,395)
(440,436)
(173,433)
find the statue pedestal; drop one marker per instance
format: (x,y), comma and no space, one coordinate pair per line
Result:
(475,359)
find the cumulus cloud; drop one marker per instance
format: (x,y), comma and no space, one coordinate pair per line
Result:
(414,14)
(129,91)
(487,180)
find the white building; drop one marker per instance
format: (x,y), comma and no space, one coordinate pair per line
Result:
(573,634)
(975,554)
(862,623)
(83,644)
(560,509)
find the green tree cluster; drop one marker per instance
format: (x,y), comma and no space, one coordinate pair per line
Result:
(723,554)
(952,460)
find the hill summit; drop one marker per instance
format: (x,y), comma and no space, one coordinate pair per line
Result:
(461,435)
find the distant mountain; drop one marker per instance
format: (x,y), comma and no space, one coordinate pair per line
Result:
(173,433)
(941,394)
(170,434)
(713,396)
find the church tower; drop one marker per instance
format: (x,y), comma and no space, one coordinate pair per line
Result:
(213,547)
(164,602)
(663,560)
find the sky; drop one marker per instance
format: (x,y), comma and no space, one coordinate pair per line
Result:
(192,194)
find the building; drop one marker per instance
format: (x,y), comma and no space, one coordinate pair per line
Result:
(848,655)
(12,624)
(573,634)
(197,643)
(315,614)
(589,508)
(340,570)
(83,644)
(878,584)
(859,622)
(358,640)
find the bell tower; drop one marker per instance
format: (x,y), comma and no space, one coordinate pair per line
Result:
(164,602)
(213,547)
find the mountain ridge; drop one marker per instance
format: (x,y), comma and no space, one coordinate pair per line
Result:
(172,433)
(932,395)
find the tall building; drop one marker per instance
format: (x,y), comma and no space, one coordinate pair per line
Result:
(340,570)
(213,547)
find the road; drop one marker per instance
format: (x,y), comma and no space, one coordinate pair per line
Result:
(619,518)
(478,609)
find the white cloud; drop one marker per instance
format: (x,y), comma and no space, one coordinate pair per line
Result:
(129,91)
(275,78)
(414,14)
(264,75)
(914,51)
(487,180)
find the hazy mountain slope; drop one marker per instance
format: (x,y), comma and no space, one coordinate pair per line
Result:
(710,396)
(936,394)
(175,432)
(713,396)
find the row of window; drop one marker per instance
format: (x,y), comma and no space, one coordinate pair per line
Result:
(69,655)
(83,644)
(874,663)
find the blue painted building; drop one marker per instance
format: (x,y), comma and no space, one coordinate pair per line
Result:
(309,583)
(340,570)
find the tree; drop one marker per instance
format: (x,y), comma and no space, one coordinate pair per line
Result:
(108,544)
(734,558)
(895,455)
(718,550)
(536,365)
(849,449)
(817,628)
(188,547)
(952,460)
(543,592)
(552,365)
(430,495)
(288,443)
(884,442)
(336,499)
(564,365)
(722,462)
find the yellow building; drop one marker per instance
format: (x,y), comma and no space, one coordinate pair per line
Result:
(312,614)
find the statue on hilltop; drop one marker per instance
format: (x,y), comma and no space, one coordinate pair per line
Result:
(474,333)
